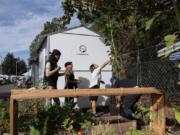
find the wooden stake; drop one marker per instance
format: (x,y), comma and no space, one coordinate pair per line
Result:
(13,116)
(157,117)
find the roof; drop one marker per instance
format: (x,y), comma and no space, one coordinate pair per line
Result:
(43,38)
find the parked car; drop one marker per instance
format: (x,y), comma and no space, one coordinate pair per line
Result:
(3,81)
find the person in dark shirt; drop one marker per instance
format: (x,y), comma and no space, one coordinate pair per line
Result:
(52,73)
(71,82)
(125,103)
(115,84)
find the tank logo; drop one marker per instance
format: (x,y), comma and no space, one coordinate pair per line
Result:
(83,50)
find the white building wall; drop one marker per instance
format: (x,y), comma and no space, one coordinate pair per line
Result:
(42,60)
(69,45)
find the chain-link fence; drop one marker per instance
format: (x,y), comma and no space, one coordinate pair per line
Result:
(148,70)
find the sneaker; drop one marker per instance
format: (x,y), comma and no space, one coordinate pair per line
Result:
(96,115)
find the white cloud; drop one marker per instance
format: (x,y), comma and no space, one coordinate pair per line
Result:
(27,24)
(19,36)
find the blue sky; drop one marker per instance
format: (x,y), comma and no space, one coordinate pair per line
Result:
(22,20)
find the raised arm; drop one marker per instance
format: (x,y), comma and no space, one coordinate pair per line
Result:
(107,62)
(50,72)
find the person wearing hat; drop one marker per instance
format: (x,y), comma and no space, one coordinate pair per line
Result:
(95,82)
(71,82)
(52,73)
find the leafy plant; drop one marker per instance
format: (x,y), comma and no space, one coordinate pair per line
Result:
(150,22)
(63,118)
(177,114)
(102,129)
(27,114)
(68,124)
(142,113)
(33,131)
(133,132)
(170,39)
(145,131)
(4,116)
(34,116)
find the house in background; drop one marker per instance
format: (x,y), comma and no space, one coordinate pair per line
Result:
(81,46)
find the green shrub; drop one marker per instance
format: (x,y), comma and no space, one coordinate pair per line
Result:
(48,120)
(56,118)
(142,113)
(4,116)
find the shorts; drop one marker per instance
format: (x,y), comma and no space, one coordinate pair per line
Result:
(94,98)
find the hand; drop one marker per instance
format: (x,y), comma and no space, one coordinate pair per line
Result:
(66,72)
(118,105)
(58,68)
(113,57)
(78,81)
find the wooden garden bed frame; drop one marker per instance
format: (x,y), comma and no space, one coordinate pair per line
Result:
(157,108)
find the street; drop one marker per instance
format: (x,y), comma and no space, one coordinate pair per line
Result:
(5,90)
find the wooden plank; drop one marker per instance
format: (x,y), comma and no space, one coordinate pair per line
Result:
(13,117)
(112,118)
(145,89)
(157,116)
(31,94)
(120,128)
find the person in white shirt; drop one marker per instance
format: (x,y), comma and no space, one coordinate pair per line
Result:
(95,82)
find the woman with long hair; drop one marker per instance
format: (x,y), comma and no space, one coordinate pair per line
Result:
(52,73)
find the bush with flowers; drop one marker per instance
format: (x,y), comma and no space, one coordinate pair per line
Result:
(45,119)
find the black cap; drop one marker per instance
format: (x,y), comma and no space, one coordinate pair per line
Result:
(56,52)
(67,63)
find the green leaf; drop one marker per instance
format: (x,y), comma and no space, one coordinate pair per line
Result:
(166,56)
(177,114)
(179,65)
(170,40)
(178,83)
(34,131)
(128,133)
(134,132)
(150,22)
(111,132)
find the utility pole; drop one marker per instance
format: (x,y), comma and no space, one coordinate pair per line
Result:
(16,67)
(1,59)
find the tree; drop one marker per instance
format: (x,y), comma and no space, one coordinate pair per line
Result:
(21,66)
(127,24)
(9,65)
